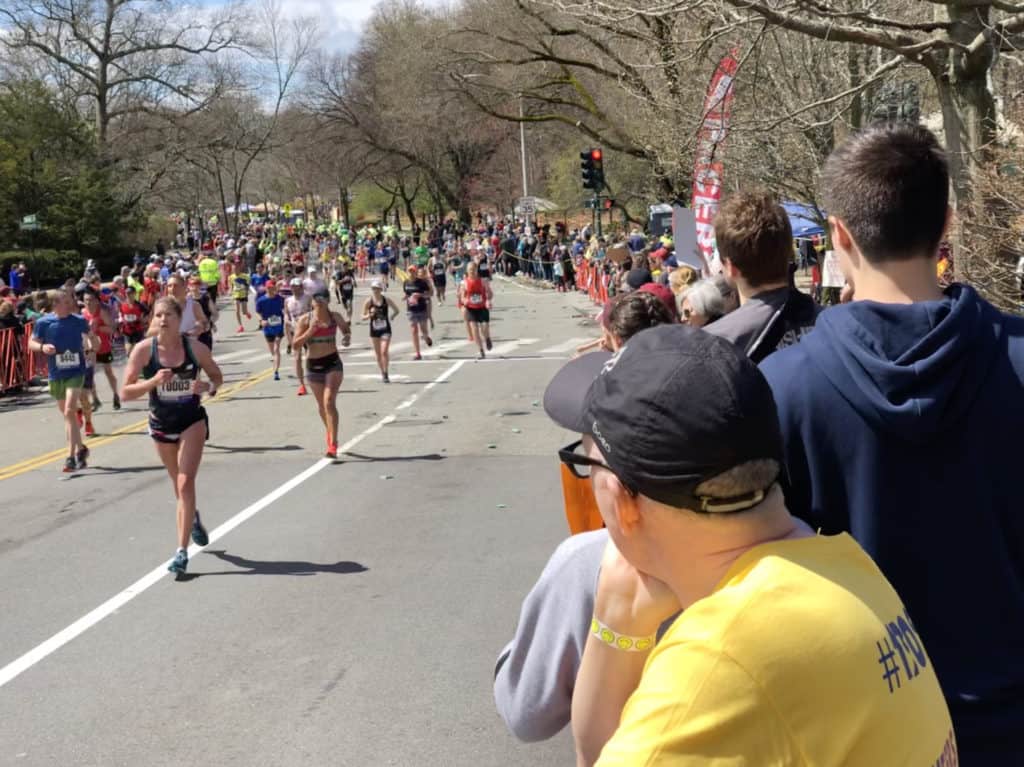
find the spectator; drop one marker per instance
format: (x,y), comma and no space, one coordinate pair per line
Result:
(902,419)
(755,243)
(701,303)
(681,444)
(682,277)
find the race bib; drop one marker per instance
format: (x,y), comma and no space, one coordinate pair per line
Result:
(476,298)
(379,324)
(68,360)
(175,390)
(274,321)
(129,318)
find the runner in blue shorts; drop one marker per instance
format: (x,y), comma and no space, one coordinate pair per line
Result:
(270,308)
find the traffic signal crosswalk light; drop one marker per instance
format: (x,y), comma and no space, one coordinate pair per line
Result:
(592,169)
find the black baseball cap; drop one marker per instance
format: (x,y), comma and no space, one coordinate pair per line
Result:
(673,408)
(637,277)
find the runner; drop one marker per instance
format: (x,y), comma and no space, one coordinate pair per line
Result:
(63,336)
(324,370)
(102,326)
(270,308)
(132,319)
(439,274)
(417,304)
(206,306)
(239,282)
(294,308)
(171,364)
(345,287)
(85,399)
(476,295)
(209,272)
(383,267)
(376,311)
(484,266)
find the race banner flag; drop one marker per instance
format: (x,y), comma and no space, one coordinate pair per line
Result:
(707,170)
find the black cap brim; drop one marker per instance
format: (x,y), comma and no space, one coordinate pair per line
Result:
(566,395)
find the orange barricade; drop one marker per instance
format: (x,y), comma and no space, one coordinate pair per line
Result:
(580,505)
(12,370)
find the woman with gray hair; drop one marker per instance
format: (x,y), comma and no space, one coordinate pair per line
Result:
(701,303)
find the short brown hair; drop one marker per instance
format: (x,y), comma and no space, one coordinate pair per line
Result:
(752,230)
(890,186)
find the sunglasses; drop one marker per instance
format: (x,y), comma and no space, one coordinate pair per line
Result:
(579,465)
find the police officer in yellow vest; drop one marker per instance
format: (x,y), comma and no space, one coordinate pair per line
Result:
(209,273)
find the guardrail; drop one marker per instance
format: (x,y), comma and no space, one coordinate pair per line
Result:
(19,365)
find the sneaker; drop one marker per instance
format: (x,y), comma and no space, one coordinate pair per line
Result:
(96,405)
(489,344)
(89,431)
(332,451)
(430,341)
(418,357)
(241,329)
(69,465)
(302,390)
(79,416)
(117,402)
(82,457)
(199,536)
(386,379)
(277,376)
(180,562)
(248,316)
(482,355)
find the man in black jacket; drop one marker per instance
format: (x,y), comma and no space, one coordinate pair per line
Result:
(755,241)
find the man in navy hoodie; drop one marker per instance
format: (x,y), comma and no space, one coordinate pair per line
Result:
(903,414)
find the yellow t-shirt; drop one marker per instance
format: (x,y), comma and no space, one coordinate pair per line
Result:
(240,286)
(803,655)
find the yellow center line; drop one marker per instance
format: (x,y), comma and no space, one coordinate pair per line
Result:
(29,464)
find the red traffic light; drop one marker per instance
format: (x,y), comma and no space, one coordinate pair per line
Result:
(596,155)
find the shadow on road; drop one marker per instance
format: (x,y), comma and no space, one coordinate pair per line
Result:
(389,458)
(92,469)
(254,448)
(258,567)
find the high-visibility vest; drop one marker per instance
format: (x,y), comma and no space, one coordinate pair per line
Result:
(209,271)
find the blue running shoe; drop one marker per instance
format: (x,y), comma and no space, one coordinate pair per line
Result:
(180,563)
(199,536)
(277,376)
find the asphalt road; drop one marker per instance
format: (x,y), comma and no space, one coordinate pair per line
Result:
(345,613)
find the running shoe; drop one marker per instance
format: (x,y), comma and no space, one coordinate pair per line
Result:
(117,402)
(79,416)
(96,405)
(418,357)
(482,355)
(82,457)
(277,376)
(248,316)
(241,329)
(332,451)
(489,344)
(199,535)
(89,431)
(386,379)
(430,341)
(180,563)
(302,390)
(69,465)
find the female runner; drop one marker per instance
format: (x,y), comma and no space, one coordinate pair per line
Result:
(476,296)
(324,371)
(171,362)
(376,311)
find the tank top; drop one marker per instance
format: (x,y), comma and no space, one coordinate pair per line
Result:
(188,316)
(476,293)
(174,397)
(379,320)
(95,320)
(131,319)
(484,270)
(439,269)
(321,335)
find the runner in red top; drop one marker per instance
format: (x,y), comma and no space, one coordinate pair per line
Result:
(131,319)
(475,294)
(102,326)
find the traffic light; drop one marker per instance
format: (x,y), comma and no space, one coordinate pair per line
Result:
(592,169)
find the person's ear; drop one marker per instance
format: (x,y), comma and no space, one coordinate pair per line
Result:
(625,505)
(730,270)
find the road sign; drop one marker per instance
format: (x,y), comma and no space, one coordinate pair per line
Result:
(527,205)
(29,223)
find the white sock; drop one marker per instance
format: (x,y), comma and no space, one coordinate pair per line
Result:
(181,550)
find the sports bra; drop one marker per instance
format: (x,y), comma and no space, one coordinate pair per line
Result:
(322,335)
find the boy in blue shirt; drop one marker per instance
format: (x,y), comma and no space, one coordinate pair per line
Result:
(64,337)
(270,308)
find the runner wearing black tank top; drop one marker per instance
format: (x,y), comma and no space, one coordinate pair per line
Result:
(376,310)
(171,364)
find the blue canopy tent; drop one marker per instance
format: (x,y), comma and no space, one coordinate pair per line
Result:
(804,220)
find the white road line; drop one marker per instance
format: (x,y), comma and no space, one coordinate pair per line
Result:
(394,348)
(232,355)
(90,619)
(566,346)
(510,346)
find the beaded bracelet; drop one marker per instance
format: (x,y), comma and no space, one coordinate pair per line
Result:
(620,641)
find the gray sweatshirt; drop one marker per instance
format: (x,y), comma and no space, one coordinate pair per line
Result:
(536,672)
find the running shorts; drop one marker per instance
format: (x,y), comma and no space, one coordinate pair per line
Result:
(318,368)
(478,315)
(169,430)
(106,358)
(59,387)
